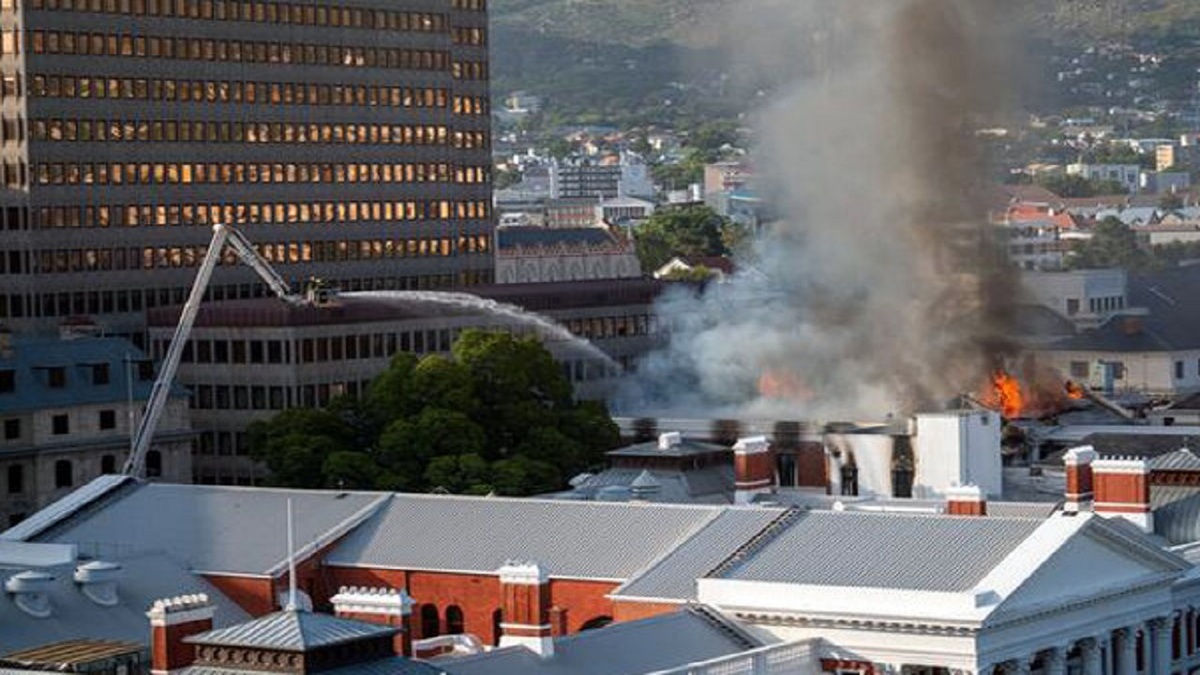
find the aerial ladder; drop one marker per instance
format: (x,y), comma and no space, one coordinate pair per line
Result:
(223,236)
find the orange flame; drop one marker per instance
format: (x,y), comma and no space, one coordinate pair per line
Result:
(1074,391)
(1008,395)
(783,385)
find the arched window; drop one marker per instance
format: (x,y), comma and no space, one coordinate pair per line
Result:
(153,464)
(64,474)
(454,620)
(597,622)
(430,622)
(108,464)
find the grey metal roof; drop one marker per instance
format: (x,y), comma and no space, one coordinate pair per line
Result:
(628,648)
(145,578)
(1176,513)
(1182,459)
(596,540)
(524,235)
(710,485)
(291,630)
(396,665)
(218,529)
(31,356)
(674,577)
(685,448)
(66,507)
(875,550)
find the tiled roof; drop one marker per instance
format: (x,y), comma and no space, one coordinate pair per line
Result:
(922,553)
(674,577)
(628,648)
(31,357)
(218,529)
(292,631)
(595,540)
(529,236)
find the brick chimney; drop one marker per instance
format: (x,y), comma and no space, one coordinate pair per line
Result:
(1078,464)
(525,593)
(380,606)
(1122,490)
(754,469)
(965,500)
(172,620)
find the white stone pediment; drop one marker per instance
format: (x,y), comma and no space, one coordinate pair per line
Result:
(1087,567)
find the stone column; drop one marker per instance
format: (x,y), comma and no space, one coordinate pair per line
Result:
(1089,650)
(1054,661)
(1017,666)
(1160,645)
(1125,651)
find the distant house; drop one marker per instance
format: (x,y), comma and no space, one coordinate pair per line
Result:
(65,418)
(1154,349)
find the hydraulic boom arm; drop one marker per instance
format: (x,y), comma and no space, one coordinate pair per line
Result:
(222,235)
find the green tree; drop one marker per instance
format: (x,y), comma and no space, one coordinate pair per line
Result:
(694,230)
(498,416)
(295,444)
(1113,244)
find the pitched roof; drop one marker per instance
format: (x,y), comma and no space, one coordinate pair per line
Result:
(1172,323)
(144,579)
(923,552)
(292,630)
(710,485)
(396,665)
(595,540)
(513,236)
(32,357)
(218,528)
(674,577)
(1182,459)
(1176,511)
(627,648)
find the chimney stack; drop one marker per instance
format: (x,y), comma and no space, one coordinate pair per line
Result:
(754,469)
(380,606)
(1122,490)
(171,621)
(966,500)
(525,593)
(1078,464)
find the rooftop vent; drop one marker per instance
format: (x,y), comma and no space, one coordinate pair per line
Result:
(98,581)
(31,592)
(669,440)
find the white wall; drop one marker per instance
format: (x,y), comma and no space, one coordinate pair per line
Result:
(956,448)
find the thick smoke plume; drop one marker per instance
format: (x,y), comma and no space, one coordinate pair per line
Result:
(877,292)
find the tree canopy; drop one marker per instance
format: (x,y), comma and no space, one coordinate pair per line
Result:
(498,416)
(1113,244)
(689,231)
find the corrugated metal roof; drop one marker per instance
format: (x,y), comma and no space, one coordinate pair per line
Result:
(1182,459)
(70,652)
(710,485)
(292,631)
(885,550)
(145,578)
(628,648)
(218,529)
(391,666)
(674,577)
(596,540)
(1176,512)
(64,508)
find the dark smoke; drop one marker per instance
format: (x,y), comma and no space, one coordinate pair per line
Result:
(880,289)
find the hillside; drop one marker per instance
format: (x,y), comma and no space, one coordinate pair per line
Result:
(617,60)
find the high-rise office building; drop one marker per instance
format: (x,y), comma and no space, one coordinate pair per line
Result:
(348,139)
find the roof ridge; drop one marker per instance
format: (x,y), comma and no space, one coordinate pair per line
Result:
(763,537)
(718,621)
(576,503)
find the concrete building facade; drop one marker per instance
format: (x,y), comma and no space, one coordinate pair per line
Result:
(350,141)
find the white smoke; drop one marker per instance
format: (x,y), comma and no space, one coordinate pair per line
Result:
(874,293)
